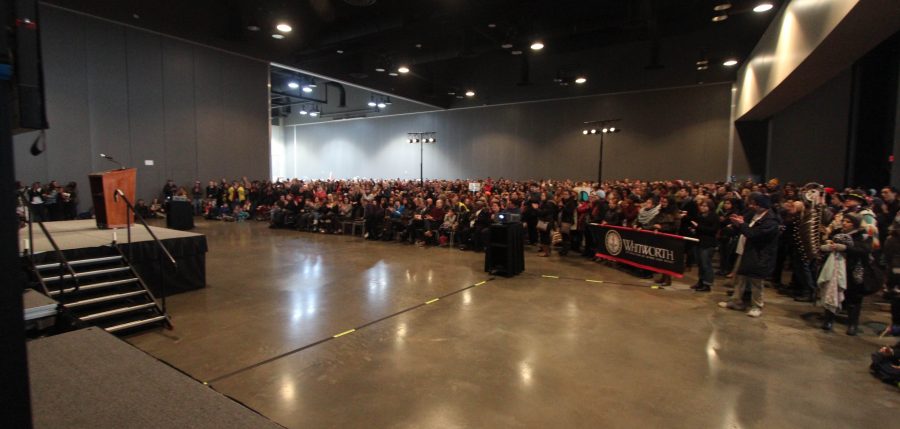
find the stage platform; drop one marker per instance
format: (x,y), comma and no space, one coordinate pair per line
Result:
(79,239)
(91,379)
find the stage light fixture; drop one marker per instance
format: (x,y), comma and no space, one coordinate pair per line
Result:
(730,62)
(253,27)
(403,69)
(584,132)
(307,89)
(340,51)
(381,105)
(516,52)
(763,7)
(720,18)
(613,129)
(278,36)
(314,113)
(293,85)
(393,74)
(537,46)
(506,45)
(580,80)
(470,93)
(721,7)
(372,102)
(605,130)
(284,28)
(593,131)
(410,140)
(379,69)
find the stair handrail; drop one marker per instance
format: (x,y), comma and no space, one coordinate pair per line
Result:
(131,210)
(59,254)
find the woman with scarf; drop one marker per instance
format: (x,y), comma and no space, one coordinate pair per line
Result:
(842,276)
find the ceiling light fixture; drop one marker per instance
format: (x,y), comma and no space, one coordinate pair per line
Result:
(720,18)
(278,36)
(307,89)
(372,101)
(379,69)
(506,45)
(314,113)
(312,83)
(492,25)
(580,79)
(340,51)
(516,52)
(537,46)
(303,110)
(763,7)
(393,74)
(721,7)
(381,105)
(470,93)
(284,28)
(584,132)
(451,92)
(253,28)
(730,62)
(403,69)
(293,85)
(388,101)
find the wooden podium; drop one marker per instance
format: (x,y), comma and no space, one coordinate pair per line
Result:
(109,212)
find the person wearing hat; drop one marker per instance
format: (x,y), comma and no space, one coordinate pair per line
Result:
(842,277)
(759,240)
(855,201)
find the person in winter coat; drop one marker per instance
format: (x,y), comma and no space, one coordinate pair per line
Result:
(845,289)
(705,227)
(759,238)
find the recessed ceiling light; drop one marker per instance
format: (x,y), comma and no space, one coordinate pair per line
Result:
(403,69)
(278,36)
(730,62)
(451,92)
(392,74)
(307,89)
(537,46)
(340,51)
(382,105)
(379,69)
(314,114)
(253,28)
(284,28)
(516,52)
(459,96)
(135,16)
(720,18)
(763,7)
(580,79)
(492,25)
(418,45)
(293,85)
(721,7)
(506,45)
(470,93)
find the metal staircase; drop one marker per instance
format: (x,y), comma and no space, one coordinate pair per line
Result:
(104,291)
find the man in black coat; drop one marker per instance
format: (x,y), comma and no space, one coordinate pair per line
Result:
(759,237)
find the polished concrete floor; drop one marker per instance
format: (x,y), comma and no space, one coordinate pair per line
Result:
(569,343)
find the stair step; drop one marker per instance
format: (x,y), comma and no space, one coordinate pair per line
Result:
(94,286)
(135,323)
(87,274)
(104,298)
(94,316)
(81,262)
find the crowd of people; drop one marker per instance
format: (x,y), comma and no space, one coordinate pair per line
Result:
(752,230)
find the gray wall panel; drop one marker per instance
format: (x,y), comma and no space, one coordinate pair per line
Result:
(667,134)
(145,110)
(179,112)
(210,120)
(135,95)
(107,83)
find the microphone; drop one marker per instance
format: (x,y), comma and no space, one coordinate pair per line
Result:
(103,155)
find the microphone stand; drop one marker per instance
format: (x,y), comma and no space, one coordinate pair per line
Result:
(109,158)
